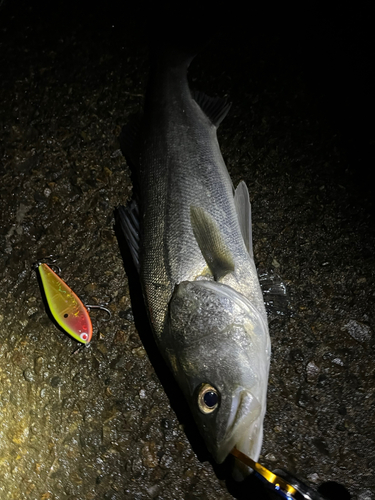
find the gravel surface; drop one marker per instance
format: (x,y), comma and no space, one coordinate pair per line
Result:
(107,422)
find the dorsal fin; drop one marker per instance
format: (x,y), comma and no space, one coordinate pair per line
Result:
(215,108)
(243,209)
(217,255)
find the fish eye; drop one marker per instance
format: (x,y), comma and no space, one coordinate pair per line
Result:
(208,398)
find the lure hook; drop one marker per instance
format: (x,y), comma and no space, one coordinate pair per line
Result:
(101,308)
(81,347)
(51,263)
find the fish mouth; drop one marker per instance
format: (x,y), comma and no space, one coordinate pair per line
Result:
(250,447)
(244,428)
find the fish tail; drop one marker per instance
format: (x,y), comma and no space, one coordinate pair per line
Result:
(178,31)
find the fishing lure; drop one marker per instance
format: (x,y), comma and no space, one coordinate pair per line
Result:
(65,306)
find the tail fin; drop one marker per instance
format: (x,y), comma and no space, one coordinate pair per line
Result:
(179,30)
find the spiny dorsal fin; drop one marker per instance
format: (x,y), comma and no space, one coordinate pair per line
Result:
(129,219)
(217,255)
(243,209)
(215,108)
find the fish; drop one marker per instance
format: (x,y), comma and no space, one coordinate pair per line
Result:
(190,236)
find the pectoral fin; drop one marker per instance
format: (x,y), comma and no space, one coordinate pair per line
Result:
(217,255)
(129,220)
(243,209)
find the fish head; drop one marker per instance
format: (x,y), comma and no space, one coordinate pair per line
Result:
(218,347)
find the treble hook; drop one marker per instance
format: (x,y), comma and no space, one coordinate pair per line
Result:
(101,308)
(52,264)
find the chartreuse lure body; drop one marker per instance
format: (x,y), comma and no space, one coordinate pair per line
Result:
(66,308)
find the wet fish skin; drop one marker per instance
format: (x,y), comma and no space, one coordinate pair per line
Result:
(195,259)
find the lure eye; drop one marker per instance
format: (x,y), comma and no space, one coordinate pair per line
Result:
(208,398)
(84,336)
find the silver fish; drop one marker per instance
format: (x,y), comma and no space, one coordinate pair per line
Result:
(190,238)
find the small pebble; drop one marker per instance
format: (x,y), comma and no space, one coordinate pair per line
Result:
(365,495)
(313,478)
(357,330)
(303,397)
(139,351)
(165,423)
(312,371)
(154,490)
(149,456)
(275,263)
(32,311)
(29,375)
(127,314)
(338,361)
(116,153)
